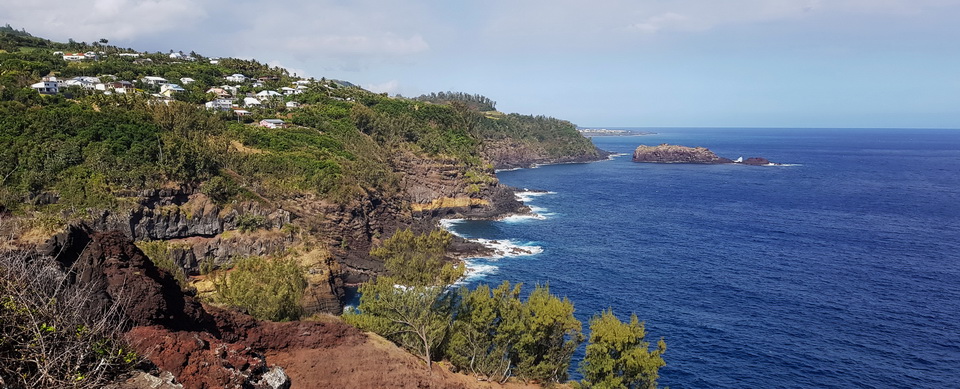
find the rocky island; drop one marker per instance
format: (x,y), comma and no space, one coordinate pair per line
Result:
(667,153)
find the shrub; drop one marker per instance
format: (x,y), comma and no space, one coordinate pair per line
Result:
(265,288)
(52,333)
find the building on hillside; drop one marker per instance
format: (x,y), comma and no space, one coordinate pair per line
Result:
(241,112)
(272,123)
(176,56)
(251,102)
(290,91)
(220,104)
(74,56)
(236,77)
(46,87)
(292,104)
(268,78)
(168,90)
(187,80)
(133,55)
(153,80)
(220,92)
(268,94)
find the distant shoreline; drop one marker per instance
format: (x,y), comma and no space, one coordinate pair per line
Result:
(588,132)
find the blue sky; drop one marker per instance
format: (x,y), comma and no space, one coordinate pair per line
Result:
(654,63)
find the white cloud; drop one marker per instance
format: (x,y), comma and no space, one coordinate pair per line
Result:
(390,87)
(378,44)
(656,23)
(113,19)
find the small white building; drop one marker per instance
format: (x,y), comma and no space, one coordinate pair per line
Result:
(74,56)
(236,77)
(46,87)
(272,123)
(220,104)
(290,91)
(251,102)
(292,104)
(187,80)
(153,80)
(268,94)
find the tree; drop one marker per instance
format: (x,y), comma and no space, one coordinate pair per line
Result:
(549,337)
(496,336)
(485,331)
(414,317)
(418,260)
(617,355)
(412,304)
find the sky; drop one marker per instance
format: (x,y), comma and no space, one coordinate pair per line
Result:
(598,63)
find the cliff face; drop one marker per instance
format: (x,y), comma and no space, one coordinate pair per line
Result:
(511,154)
(665,153)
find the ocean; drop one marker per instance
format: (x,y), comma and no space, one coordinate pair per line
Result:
(840,269)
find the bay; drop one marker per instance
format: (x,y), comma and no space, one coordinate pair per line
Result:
(840,269)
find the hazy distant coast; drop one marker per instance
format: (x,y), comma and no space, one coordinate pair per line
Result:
(605,132)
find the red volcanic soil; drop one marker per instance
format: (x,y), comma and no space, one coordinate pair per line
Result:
(209,347)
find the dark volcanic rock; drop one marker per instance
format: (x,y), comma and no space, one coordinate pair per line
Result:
(757,161)
(665,153)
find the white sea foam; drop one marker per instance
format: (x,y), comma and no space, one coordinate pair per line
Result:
(507,170)
(526,196)
(477,270)
(449,224)
(505,248)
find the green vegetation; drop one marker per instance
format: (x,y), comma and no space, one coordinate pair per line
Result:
(159,252)
(474,102)
(493,334)
(51,335)
(418,260)
(618,356)
(496,335)
(265,288)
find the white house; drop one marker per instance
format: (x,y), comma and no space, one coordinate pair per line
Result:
(293,104)
(251,102)
(153,80)
(186,80)
(271,123)
(46,87)
(290,91)
(169,90)
(134,55)
(302,82)
(220,104)
(236,77)
(74,56)
(267,94)
(176,55)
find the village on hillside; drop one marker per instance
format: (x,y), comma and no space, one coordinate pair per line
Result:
(238,92)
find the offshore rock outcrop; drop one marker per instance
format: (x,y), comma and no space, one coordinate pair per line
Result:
(666,153)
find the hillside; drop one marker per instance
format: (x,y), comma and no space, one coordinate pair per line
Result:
(205,161)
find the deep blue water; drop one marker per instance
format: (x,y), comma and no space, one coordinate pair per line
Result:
(842,271)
